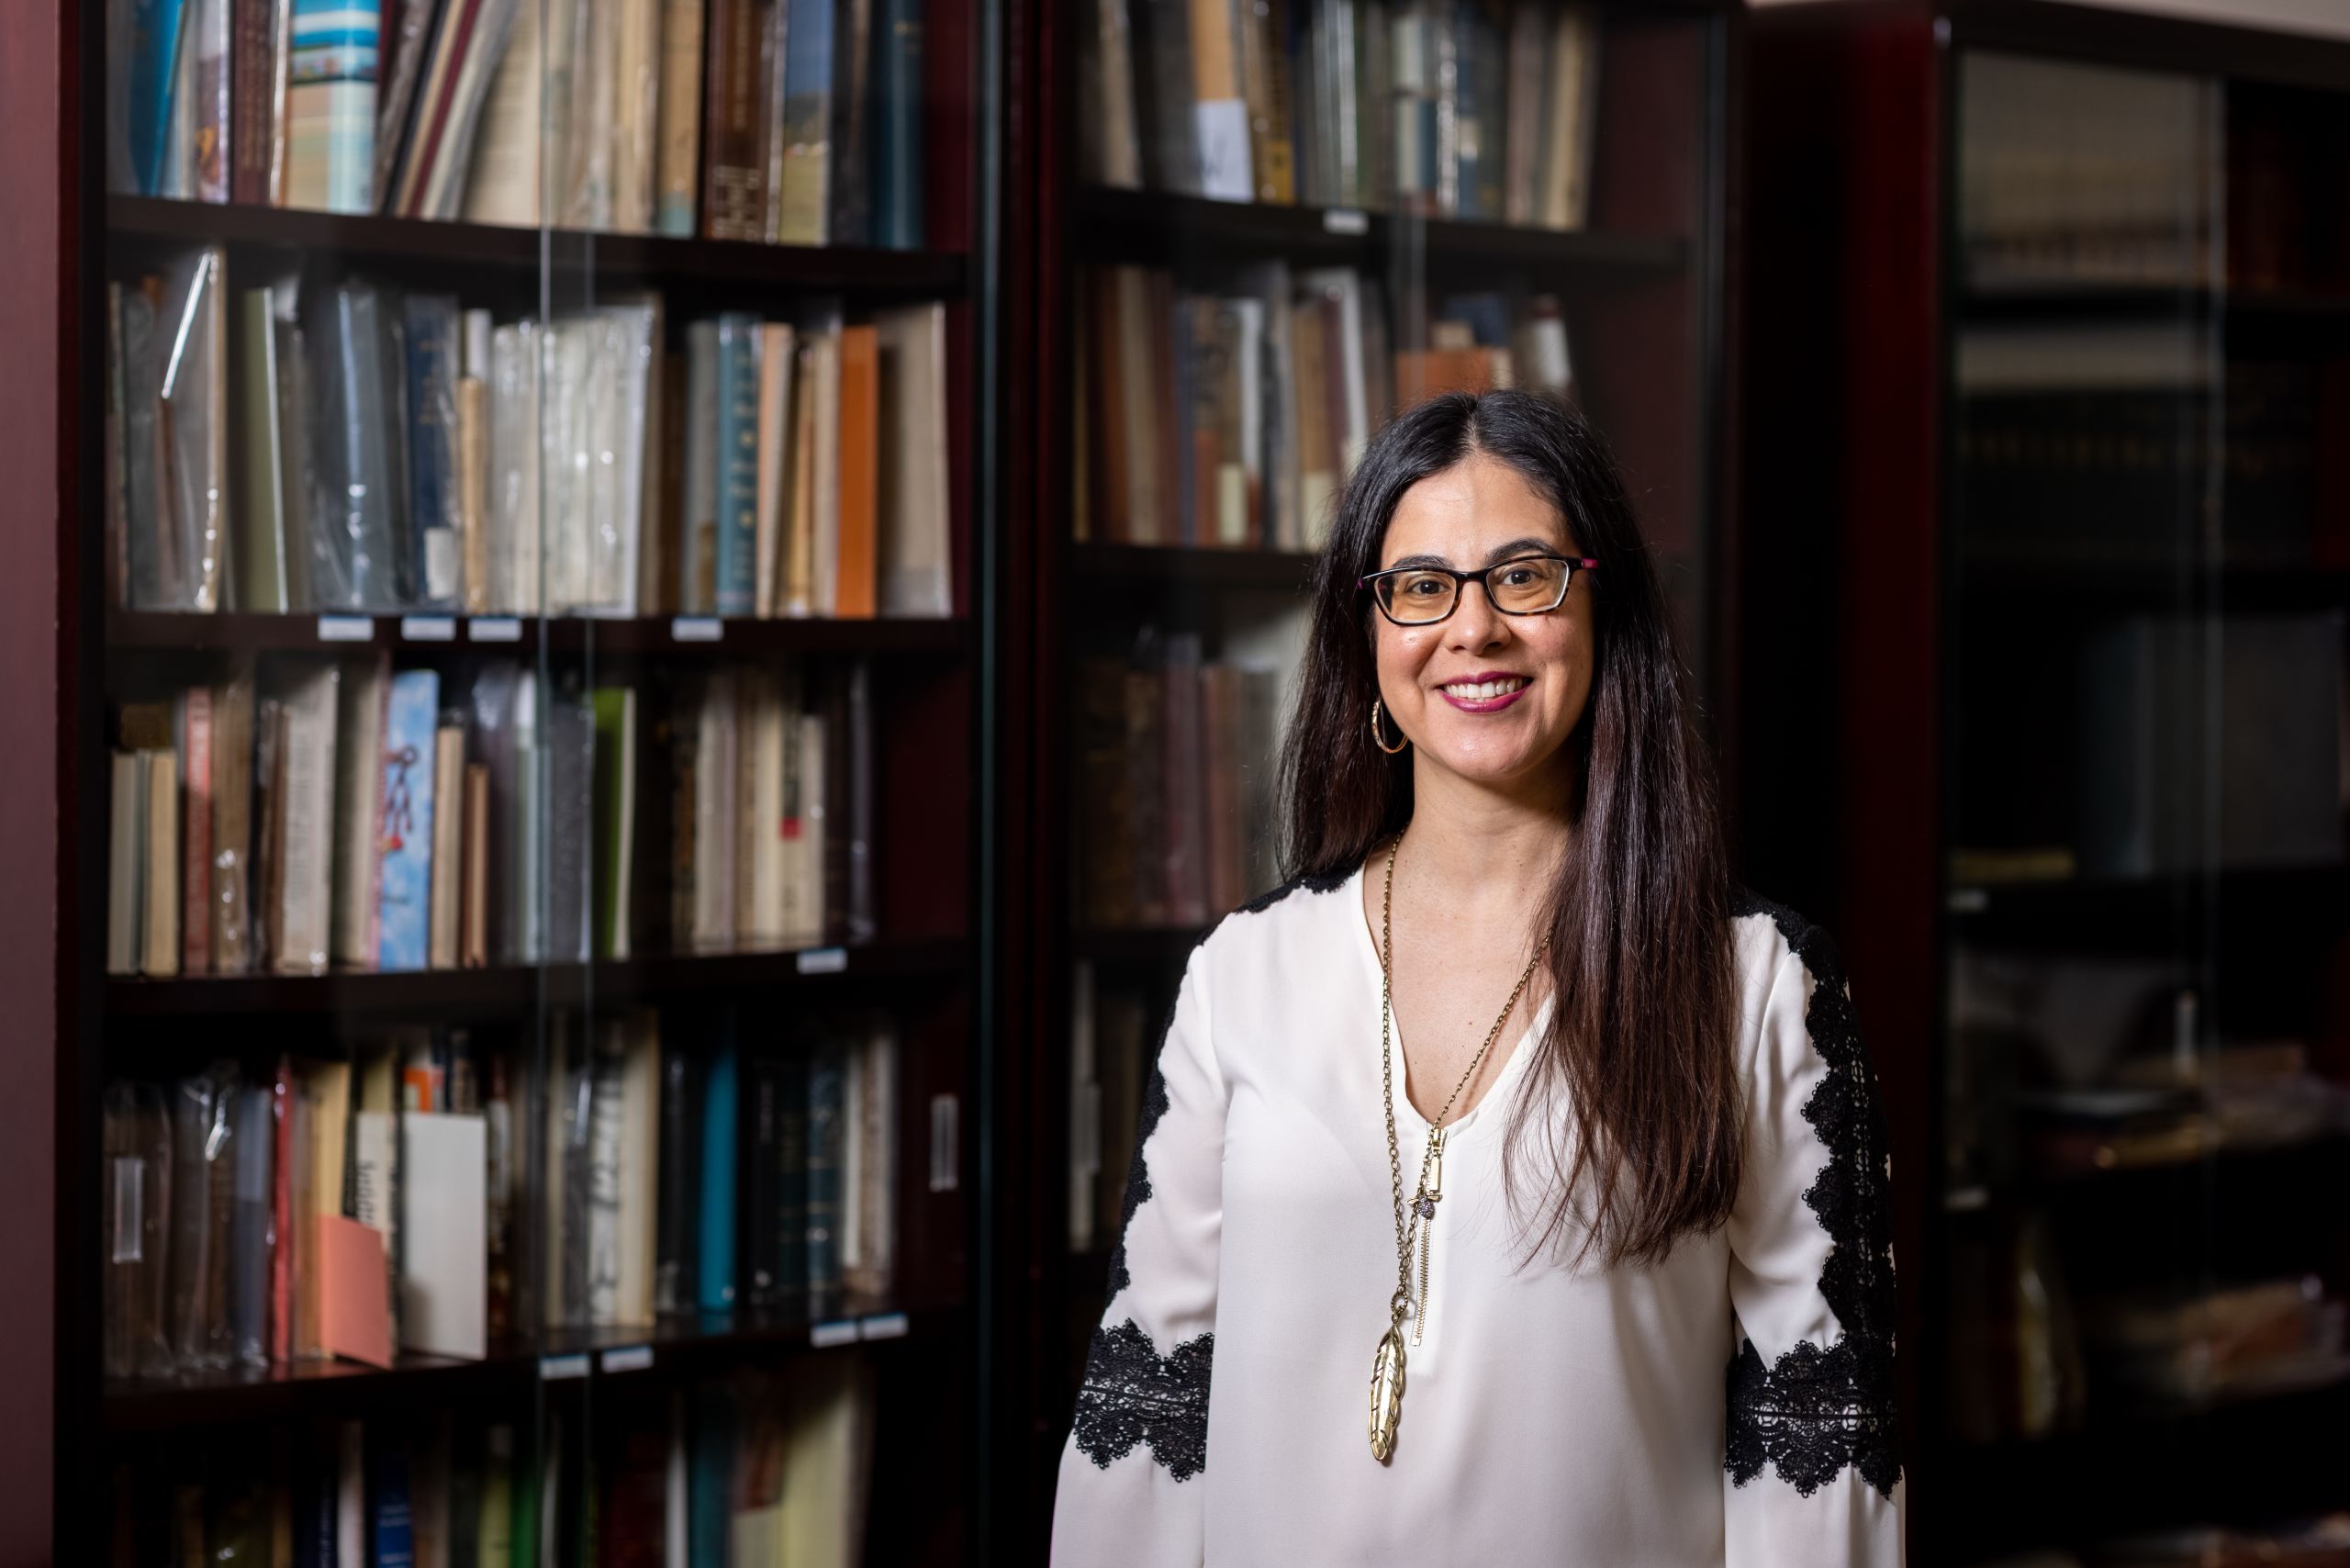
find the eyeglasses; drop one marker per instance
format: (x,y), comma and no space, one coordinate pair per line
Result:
(1528,585)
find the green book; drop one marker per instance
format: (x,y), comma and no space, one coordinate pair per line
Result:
(615,814)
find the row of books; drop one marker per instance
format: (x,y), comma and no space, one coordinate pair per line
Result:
(790,121)
(292,447)
(760,1471)
(1448,108)
(303,815)
(1234,420)
(387,1203)
(1175,783)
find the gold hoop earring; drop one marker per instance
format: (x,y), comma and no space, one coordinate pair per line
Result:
(1381,741)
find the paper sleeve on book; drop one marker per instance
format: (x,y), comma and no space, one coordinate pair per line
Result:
(1224,171)
(444,1290)
(354,1318)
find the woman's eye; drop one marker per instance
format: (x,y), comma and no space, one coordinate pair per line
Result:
(1517,577)
(1424,586)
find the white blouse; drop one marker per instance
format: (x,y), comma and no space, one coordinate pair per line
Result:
(1731,1405)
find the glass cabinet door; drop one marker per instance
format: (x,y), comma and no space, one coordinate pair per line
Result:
(2143,728)
(1292,221)
(538,707)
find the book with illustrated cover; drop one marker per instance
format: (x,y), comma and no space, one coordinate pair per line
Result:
(405,892)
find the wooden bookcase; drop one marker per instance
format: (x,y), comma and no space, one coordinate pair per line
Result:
(1643,281)
(92,1452)
(2040,417)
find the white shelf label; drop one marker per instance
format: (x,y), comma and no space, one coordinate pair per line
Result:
(824,960)
(429,628)
(494,629)
(884,1326)
(346,628)
(1346,220)
(825,1336)
(559,1369)
(697,628)
(629,1358)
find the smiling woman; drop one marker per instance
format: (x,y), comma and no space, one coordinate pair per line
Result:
(1640,1309)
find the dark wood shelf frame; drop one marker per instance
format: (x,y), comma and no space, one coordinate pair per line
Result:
(684,636)
(1281,570)
(452,249)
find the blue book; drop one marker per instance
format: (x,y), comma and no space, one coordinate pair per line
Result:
(791,1162)
(827,1151)
(156,29)
(717,1241)
(738,463)
(809,154)
(404,917)
(391,1527)
(897,115)
(433,500)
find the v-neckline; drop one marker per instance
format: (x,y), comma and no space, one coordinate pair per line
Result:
(1407,1115)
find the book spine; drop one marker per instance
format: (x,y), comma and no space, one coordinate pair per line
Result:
(804,208)
(673,1261)
(827,1127)
(330,107)
(283,1090)
(851,180)
(738,464)
(897,127)
(195,837)
(714,1254)
(793,1278)
(681,117)
(436,505)
(405,897)
(734,173)
(252,102)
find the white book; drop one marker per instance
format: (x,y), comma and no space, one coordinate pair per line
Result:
(517,448)
(350,1495)
(604,1173)
(869,1166)
(504,183)
(303,906)
(761,916)
(444,1286)
(807,862)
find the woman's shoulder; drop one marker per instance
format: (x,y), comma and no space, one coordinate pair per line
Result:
(1284,925)
(1778,947)
(1767,932)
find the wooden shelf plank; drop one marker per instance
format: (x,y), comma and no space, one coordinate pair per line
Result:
(454,249)
(515,986)
(309,1390)
(1275,569)
(426,634)
(1156,228)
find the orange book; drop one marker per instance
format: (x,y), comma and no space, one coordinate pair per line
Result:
(855,587)
(1422,373)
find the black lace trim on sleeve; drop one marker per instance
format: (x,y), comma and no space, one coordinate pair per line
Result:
(1154,1106)
(1133,1395)
(1815,1411)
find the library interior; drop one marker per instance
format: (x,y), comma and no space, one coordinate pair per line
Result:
(642,640)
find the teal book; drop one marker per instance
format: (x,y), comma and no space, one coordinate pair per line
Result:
(404,909)
(711,1506)
(738,463)
(715,1254)
(897,127)
(156,27)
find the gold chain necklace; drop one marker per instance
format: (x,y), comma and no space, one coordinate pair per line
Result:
(1387,1369)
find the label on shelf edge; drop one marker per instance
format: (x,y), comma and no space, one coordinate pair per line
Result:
(825,1336)
(883,1325)
(494,629)
(696,629)
(824,960)
(346,628)
(627,1359)
(1346,220)
(429,628)
(557,1368)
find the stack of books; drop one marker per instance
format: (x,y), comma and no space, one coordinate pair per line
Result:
(785,121)
(1420,107)
(349,447)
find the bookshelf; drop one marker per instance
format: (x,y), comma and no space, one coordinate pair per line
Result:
(399,478)
(1147,599)
(2061,424)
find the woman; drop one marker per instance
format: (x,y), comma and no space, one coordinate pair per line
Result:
(1606,1279)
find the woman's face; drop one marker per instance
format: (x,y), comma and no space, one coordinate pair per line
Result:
(1490,697)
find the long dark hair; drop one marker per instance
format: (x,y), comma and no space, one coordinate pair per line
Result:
(1640,1037)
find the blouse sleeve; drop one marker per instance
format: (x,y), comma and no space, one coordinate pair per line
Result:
(1813,1473)
(1130,1490)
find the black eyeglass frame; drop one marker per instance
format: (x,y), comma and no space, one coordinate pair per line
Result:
(1462,579)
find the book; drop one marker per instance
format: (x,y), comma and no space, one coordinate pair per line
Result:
(738,465)
(715,1243)
(679,129)
(403,897)
(446,900)
(915,563)
(442,1283)
(435,505)
(195,763)
(331,104)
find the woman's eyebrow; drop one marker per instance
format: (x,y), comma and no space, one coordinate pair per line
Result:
(1493,557)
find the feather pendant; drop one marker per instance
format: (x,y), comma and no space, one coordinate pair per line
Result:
(1386,1394)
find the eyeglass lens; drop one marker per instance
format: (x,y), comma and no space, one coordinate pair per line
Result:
(1517,587)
